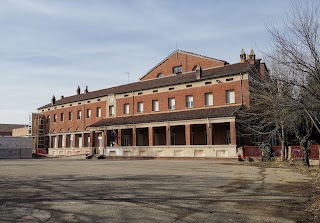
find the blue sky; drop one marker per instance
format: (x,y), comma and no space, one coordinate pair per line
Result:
(50,47)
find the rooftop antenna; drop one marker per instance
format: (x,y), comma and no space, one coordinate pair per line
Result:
(127,73)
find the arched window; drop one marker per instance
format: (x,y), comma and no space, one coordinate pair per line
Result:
(160,75)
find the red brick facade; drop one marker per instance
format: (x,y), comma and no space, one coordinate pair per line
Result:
(215,88)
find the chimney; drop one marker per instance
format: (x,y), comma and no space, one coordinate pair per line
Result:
(198,72)
(78,90)
(252,57)
(62,97)
(53,100)
(242,56)
(86,90)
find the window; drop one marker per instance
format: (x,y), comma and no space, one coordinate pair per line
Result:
(98,112)
(189,101)
(171,103)
(55,118)
(62,117)
(171,88)
(155,105)
(79,114)
(208,99)
(111,110)
(230,97)
(159,75)
(177,69)
(70,116)
(154,91)
(126,109)
(189,85)
(48,119)
(207,82)
(88,113)
(140,107)
(229,79)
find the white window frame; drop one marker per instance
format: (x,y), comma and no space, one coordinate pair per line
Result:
(140,107)
(155,105)
(171,103)
(79,115)
(208,99)
(88,113)
(111,110)
(230,97)
(70,116)
(126,109)
(189,101)
(98,112)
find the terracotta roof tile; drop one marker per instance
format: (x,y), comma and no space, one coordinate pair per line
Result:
(169,116)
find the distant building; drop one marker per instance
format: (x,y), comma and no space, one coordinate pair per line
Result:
(182,107)
(7,129)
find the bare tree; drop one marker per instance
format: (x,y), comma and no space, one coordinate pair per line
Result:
(296,48)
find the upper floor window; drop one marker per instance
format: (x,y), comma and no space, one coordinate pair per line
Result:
(155,105)
(230,97)
(98,112)
(208,99)
(70,116)
(177,69)
(88,113)
(48,119)
(111,110)
(79,114)
(62,117)
(55,118)
(171,103)
(126,109)
(189,101)
(140,107)
(160,75)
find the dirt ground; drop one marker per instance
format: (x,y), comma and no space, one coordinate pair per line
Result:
(56,190)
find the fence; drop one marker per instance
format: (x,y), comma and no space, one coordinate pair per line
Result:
(293,151)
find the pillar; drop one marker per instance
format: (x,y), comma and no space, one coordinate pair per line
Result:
(150,134)
(72,140)
(92,139)
(134,136)
(119,137)
(168,135)
(233,134)
(209,134)
(187,134)
(63,141)
(104,138)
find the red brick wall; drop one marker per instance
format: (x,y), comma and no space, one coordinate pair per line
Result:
(187,61)
(218,90)
(74,124)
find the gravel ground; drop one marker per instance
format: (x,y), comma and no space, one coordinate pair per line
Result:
(56,190)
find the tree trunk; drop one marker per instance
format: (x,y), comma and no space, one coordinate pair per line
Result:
(305,146)
(282,144)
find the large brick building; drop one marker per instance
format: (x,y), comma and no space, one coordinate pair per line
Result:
(182,107)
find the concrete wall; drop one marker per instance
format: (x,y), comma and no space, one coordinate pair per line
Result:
(219,151)
(15,147)
(20,132)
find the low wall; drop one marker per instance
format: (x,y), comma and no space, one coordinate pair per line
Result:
(56,152)
(15,147)
(219,151)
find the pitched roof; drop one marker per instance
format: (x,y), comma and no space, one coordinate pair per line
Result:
(169,116)
(184,52)
(158,82)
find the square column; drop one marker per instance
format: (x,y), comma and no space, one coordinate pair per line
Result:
(187,134)
(168,135)
(92,139)
(209,134)
(72,140)
(119,137)
(233,134)
(64,138)
(134,136)
(150,132)
(104,138)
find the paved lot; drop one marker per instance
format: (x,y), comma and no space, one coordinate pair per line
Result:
(149,191)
